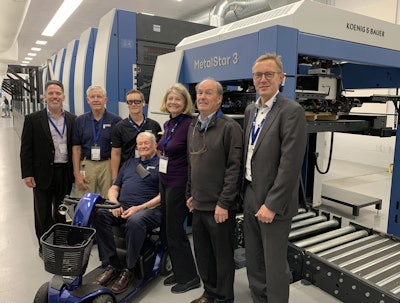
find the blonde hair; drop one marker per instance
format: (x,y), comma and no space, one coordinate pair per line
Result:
(271,56)
(181,91)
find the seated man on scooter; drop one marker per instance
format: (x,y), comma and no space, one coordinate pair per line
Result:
(136,188)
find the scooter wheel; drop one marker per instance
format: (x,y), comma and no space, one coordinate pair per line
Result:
(42,294)
(103,299)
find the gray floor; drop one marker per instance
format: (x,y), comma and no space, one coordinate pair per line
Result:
(22,271)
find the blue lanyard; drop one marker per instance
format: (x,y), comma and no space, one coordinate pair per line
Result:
(138,129)
(96,135)
(254,131)
(55,127)
(167,139)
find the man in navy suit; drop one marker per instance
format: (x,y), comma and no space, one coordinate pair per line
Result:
(46,157)
(274,147)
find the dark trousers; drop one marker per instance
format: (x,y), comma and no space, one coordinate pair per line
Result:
(266,254)
(46,201)
(175,211)
(136,229)
(214,249)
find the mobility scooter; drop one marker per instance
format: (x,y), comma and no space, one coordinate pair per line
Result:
(66,250)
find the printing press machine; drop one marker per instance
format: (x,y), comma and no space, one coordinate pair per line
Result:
(326,52)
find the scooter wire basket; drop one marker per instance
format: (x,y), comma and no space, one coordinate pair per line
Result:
(66,249)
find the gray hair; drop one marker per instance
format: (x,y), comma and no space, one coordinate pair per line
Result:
(148,135)
(93,87)
(218,85)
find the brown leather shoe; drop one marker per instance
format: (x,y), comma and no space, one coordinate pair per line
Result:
(108,274)
(203,300)
(122,282)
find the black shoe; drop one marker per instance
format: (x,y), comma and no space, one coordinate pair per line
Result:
(180,288)
(170,281)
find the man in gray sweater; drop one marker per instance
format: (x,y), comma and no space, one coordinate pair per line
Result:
(215,144)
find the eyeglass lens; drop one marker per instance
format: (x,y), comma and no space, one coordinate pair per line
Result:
(130,102)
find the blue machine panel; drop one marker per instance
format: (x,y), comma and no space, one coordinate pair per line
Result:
(283,41)
(115,56)
(225,60)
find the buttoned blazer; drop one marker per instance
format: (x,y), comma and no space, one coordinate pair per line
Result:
(277,156)
(37,148)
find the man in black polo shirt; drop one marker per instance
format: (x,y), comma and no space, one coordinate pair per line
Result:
(125,132)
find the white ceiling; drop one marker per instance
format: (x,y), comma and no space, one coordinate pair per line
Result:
(87,15)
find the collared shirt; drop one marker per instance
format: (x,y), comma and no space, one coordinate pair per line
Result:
(83,133)
(124,136)
(133,189)
(262,112)
(204,123)
(59,136)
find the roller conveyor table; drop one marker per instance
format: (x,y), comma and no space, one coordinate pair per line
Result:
(353,263)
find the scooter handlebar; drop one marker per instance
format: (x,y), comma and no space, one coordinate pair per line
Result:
(107,204)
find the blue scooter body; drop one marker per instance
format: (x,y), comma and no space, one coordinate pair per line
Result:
(70,289)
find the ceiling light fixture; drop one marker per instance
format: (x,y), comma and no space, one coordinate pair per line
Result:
(63,13)
(25,62)
(27,58)
(36,49)
(32,54)
(41,42)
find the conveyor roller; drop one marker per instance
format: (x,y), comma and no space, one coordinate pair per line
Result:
(325,236)
(353,263)
(312,229)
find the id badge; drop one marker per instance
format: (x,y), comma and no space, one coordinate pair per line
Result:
(163,165)
(95,151)
(63,148)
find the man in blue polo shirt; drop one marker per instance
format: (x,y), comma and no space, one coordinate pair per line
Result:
(91,140)
(136,188)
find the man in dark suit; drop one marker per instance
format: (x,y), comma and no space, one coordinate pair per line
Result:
(46,157)
(274,147)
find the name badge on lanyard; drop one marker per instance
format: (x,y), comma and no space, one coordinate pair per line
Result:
(95,153)
(95,149)
(163,165)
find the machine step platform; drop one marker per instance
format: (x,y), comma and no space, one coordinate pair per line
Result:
(349,198)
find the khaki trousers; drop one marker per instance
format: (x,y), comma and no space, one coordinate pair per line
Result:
(98,174)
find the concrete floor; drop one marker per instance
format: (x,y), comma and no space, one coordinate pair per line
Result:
(22,271)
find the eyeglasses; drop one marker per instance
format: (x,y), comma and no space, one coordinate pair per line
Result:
(201,148)
(268,75)
(130,102)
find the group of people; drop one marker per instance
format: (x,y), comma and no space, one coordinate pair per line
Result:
(205,165)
